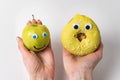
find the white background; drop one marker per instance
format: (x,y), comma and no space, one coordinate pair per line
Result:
(55,14)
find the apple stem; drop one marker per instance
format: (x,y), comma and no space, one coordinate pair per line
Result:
(33,16)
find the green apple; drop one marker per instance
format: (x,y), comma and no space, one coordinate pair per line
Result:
(35,36)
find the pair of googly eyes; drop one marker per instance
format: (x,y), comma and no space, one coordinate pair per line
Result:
(35,36)
(76,26)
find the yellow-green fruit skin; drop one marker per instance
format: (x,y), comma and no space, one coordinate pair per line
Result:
(35,37)
(86,45)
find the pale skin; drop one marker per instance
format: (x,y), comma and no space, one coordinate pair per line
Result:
(41,65)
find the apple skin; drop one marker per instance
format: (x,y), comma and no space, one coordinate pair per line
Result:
(89,41)
(35,37)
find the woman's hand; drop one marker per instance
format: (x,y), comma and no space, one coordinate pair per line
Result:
(81,68)
(41,65)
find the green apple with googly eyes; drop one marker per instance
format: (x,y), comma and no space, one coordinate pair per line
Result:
(35,36)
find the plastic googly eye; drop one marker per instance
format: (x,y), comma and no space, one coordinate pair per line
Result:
(76,26)
(44,34)
(88,26)
(34,36)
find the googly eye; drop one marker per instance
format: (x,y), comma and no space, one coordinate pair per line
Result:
(76,26)
(44,34)
(88,26)
(34,36)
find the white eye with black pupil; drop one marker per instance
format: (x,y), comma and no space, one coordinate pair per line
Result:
(44,34)
(34,36)
(76,26)
(88,26)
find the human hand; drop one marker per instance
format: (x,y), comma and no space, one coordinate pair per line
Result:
(81,67)
(41,65)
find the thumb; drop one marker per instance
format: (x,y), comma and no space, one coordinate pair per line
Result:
(24,51)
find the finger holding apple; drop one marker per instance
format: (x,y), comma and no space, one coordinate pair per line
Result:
(35,35)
